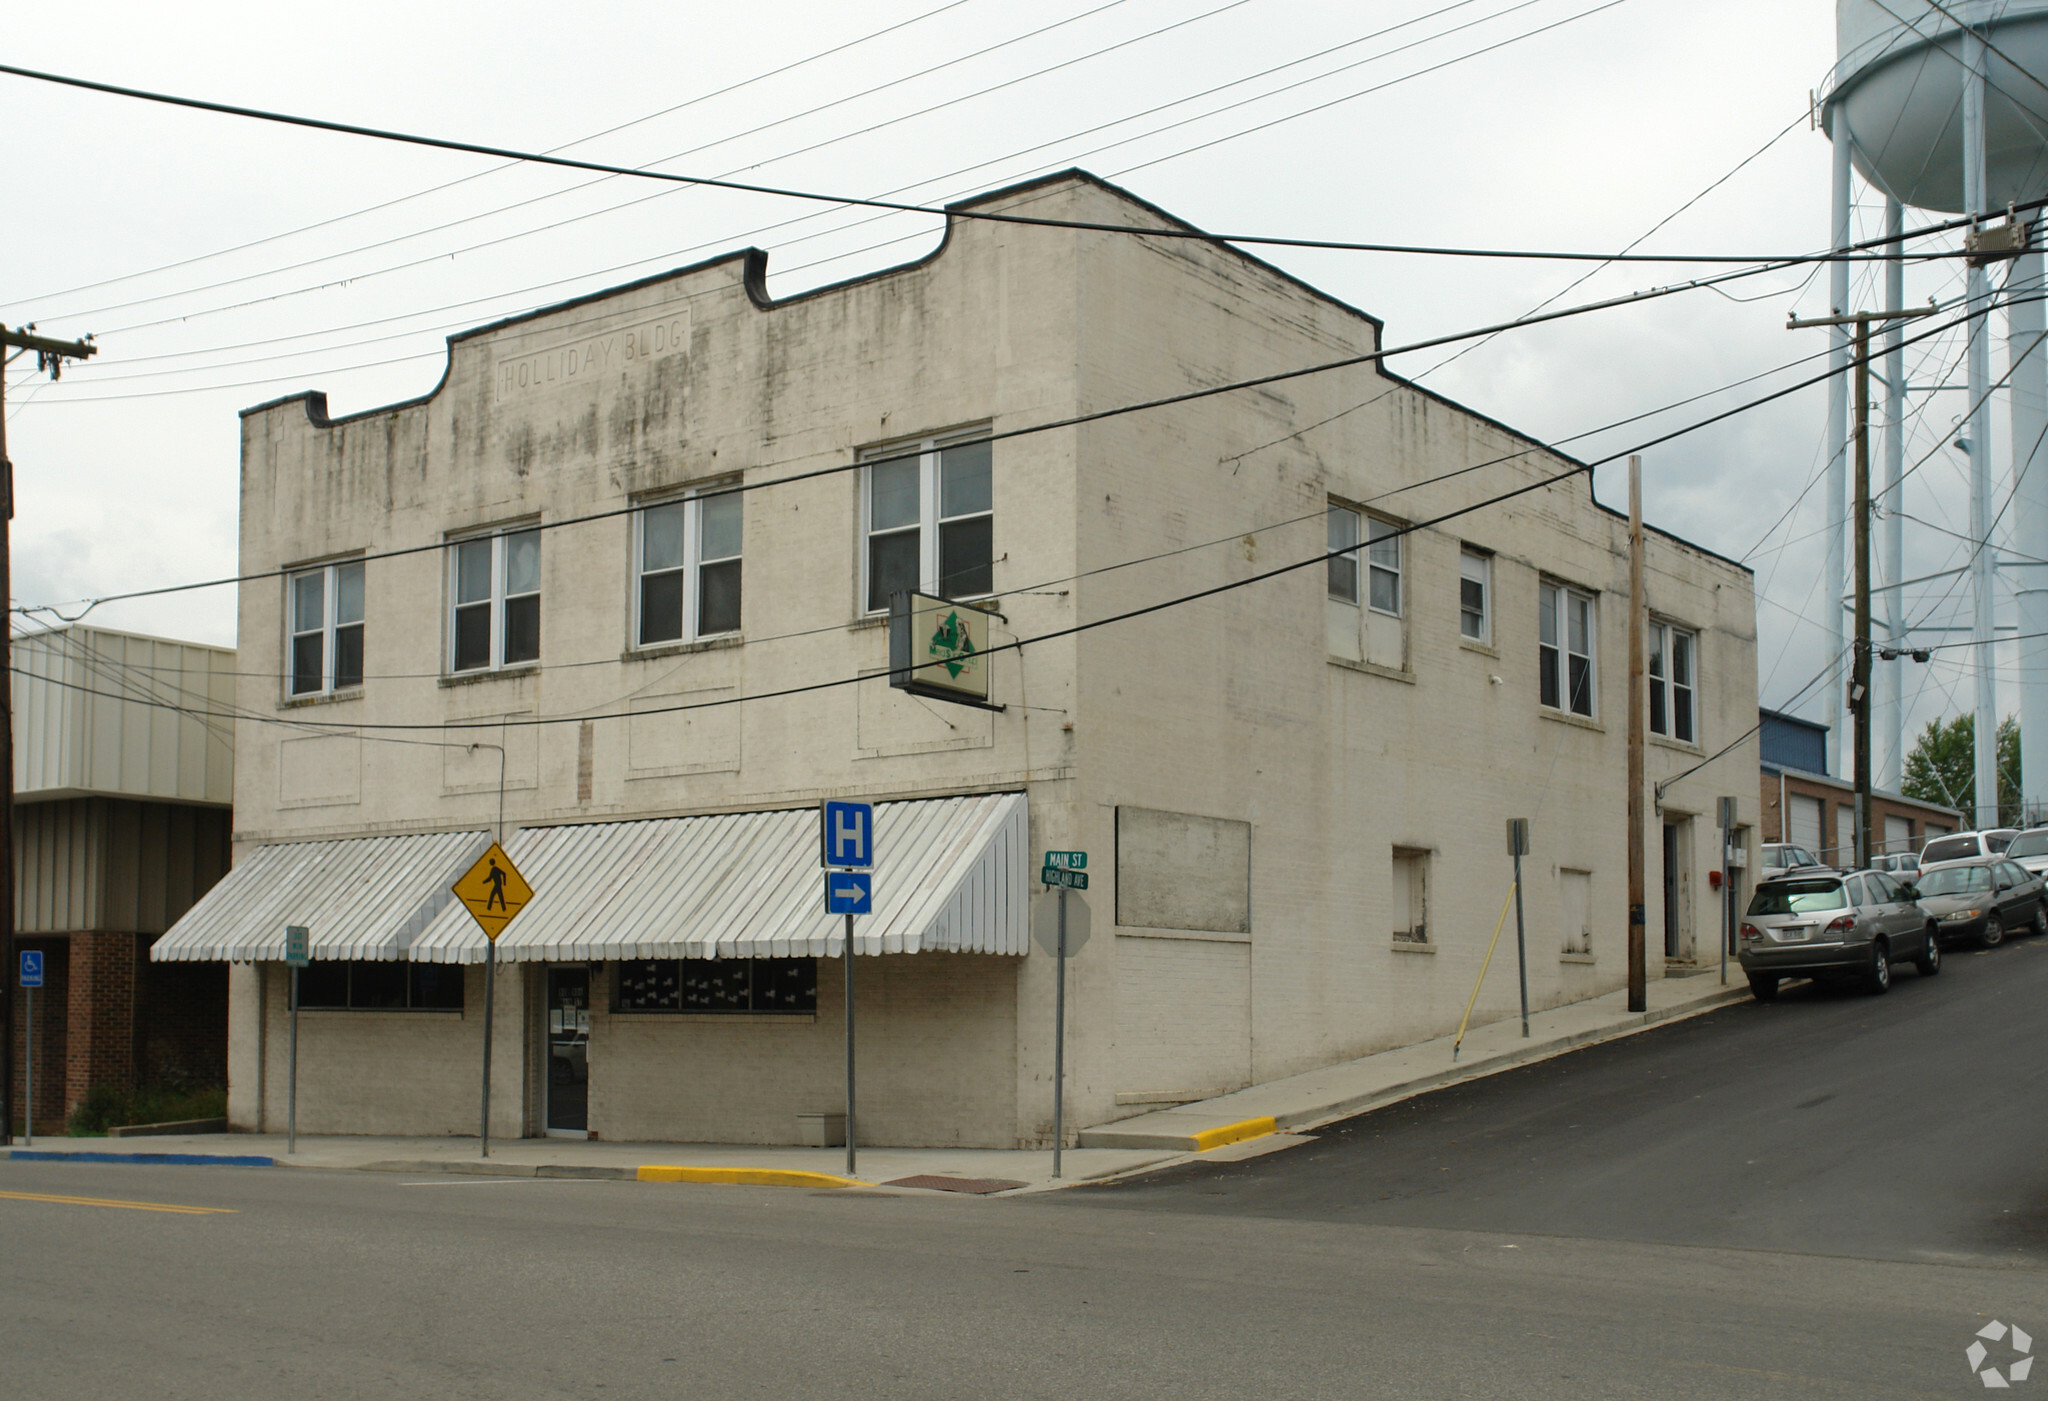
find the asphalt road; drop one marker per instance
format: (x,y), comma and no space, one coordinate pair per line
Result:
(1822,1198)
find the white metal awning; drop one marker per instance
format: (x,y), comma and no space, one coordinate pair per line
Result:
(363,898)
(950,875)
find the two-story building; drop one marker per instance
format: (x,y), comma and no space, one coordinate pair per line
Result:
(534,591)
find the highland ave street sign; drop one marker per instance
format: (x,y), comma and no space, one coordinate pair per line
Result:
(938,648)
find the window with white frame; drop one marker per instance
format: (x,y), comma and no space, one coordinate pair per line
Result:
(1343,535)
(1671,663)
(689,568)
(494,584)
(1475,596)
(1565,633)
(929,521)
(1382,566)
(326,625)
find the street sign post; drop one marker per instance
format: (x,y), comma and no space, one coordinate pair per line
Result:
(494,893)
(846,849)
(31,979)
(1518,847)
(1063,871)
(298,950)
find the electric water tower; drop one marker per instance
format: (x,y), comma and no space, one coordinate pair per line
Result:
(1942,105)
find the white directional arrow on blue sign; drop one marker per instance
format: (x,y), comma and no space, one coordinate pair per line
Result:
(848,893)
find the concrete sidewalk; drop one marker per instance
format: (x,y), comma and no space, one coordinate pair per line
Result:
(1351,1087)
(1260,1119)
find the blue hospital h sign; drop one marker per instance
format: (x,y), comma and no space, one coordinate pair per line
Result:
(848,834)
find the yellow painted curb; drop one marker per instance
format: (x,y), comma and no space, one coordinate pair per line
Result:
(1234,1133)
(743,1177)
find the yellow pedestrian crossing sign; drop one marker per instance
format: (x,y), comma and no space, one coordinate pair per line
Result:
(493,891)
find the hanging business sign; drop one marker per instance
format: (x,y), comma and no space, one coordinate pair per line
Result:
(938,648)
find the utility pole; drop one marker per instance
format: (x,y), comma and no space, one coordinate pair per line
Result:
(1859,676)
(1638,702)
(50,356)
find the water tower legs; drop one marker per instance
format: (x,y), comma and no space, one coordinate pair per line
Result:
(1977,430)
(1837,481)
(1889,721)
(2027,322)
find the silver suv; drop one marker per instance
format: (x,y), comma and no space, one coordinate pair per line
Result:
(1823,924)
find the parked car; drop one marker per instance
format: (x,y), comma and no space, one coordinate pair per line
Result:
(1819,924)
(2030,849)
(1984,899)
(1905,865)
(1786,856)
(1961,846)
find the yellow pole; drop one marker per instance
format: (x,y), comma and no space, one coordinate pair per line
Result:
(1498,925)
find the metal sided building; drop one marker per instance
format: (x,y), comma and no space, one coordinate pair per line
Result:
(123,776)
(531,602)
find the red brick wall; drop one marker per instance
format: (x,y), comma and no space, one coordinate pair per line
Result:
(100,1049)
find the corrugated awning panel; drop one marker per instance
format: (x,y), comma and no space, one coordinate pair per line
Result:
(949,875)
(362,898)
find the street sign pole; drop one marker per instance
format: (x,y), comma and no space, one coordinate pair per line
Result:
(28,998)
(1518,846)
(1059,1044)
(298,947)
(291,1099)
(849,1047)
(490,1004)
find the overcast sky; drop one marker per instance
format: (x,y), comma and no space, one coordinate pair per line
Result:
(222,262)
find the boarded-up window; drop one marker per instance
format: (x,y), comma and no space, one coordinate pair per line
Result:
(1411,896)
(1575,889)
(1178,871)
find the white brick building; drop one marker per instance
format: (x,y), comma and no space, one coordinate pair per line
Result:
(1292,793)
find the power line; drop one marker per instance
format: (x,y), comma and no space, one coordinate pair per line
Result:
(851,201)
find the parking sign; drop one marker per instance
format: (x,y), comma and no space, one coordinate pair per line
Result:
(31,968)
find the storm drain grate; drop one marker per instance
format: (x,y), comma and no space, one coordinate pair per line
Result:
(980,1186)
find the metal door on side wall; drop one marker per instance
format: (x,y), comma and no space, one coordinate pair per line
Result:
(568,1078)
(1806,815)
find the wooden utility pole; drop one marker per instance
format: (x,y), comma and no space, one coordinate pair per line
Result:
(1860,648)
(50,355)
(1638,703)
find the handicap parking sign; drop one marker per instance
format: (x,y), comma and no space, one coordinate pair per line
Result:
(31,968)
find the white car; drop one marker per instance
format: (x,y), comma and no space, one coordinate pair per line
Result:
(1965,846)
(2030,849)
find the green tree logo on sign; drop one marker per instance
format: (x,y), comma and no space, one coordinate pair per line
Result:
(952,646)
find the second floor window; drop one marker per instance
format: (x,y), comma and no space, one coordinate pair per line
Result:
(1475,596)
(1671,682)
(930,522)
(496,611)
(1564,637)
(1382,565)
(690,569)
(326,647)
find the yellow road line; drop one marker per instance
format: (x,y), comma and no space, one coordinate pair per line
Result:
(126,1206)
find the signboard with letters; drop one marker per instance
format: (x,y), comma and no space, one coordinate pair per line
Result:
(31,968)
(846,834)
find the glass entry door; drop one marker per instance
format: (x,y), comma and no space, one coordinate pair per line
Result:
(569,1051)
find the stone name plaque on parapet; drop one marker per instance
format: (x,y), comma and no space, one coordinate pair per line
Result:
(588,358)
